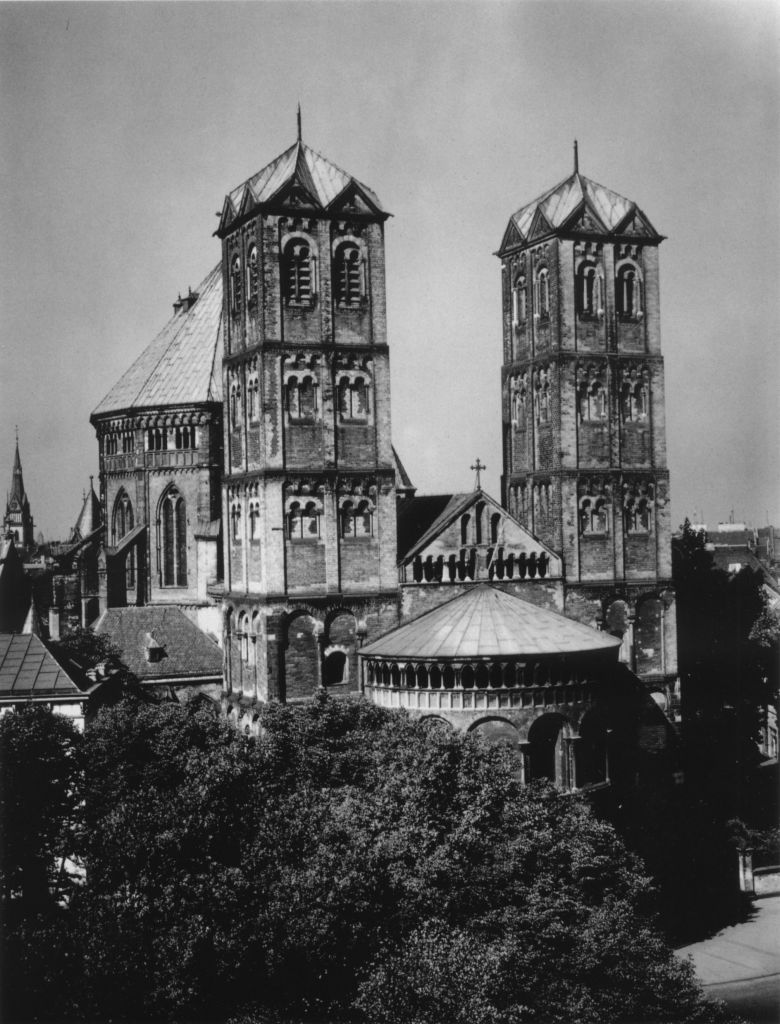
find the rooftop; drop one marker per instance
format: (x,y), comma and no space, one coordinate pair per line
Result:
(181,366)
(182,651)
(562,206)
(28,670)
(322,181)
(489,623)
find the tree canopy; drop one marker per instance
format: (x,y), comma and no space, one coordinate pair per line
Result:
(350,865)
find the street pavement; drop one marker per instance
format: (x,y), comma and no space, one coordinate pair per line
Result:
(741,964)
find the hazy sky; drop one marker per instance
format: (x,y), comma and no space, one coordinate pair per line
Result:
(123,126)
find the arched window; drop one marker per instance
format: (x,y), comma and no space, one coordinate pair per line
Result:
(635,400)
(185,438)
(298,273)
(592,402)
(588,291)
(303,521)
(628,292)
(357,520)
(519,301)
(235,406)
(253,399)
(235,523)
(542,397)
(335,669)
(243,636)
(495,523)
(235,284)
(464,529)
(543,293)
(594,516)
(348,275)
(251,277)
(353,400)
(173,517)
(122,523)
(479,518)
(156,439)
(302,398)
(254,521)
(637,515)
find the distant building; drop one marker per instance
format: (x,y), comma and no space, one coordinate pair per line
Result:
(18,521)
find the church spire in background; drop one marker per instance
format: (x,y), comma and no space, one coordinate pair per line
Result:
(576,159)
(299,122)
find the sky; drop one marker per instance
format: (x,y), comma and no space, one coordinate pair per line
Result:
(122,126)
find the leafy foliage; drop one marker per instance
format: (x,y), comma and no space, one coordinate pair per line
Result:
(348,866)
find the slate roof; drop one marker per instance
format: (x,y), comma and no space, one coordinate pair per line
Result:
(188,652)
(489,623)
(560,202)
(181,366)
(90,517)
(28,670)
(321,178)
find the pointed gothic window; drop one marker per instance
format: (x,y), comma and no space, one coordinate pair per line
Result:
(253,400)
(349,275)
(298,273)
(173,517)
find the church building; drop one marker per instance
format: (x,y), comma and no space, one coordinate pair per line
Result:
(247,475)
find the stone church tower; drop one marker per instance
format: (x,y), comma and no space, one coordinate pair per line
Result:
(308,485)
(18,520)
(584,435)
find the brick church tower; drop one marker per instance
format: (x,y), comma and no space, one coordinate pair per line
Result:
(584,435)
(308,485)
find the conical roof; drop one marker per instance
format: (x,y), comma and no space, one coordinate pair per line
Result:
(320,178)
(90,517)
(488,623)
(557,208)
(181,365)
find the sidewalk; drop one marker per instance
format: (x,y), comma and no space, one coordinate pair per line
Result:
(741,964)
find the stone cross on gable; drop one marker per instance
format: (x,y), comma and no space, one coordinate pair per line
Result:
(477,468)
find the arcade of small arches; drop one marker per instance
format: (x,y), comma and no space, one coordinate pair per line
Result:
(473,563)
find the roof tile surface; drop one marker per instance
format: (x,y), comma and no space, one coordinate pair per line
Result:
(28,670)
(181,365)
(188,651)
(487,622)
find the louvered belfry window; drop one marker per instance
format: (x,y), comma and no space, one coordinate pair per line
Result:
(298,273)
(349,276)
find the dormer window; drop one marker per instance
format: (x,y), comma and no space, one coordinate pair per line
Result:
(298,273)
(349,275)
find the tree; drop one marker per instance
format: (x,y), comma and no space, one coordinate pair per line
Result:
(41,822)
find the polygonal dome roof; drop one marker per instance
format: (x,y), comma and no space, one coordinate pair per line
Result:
(488,623)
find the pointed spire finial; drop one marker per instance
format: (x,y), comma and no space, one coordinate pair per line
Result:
(576,159)
(299,122)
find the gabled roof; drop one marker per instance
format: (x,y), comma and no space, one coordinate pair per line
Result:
(489,623)
(28,670)
(321,183)
(577,202)
(181,366)
(188,653)
(421,520)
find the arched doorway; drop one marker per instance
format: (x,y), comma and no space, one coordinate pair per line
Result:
(301,657)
